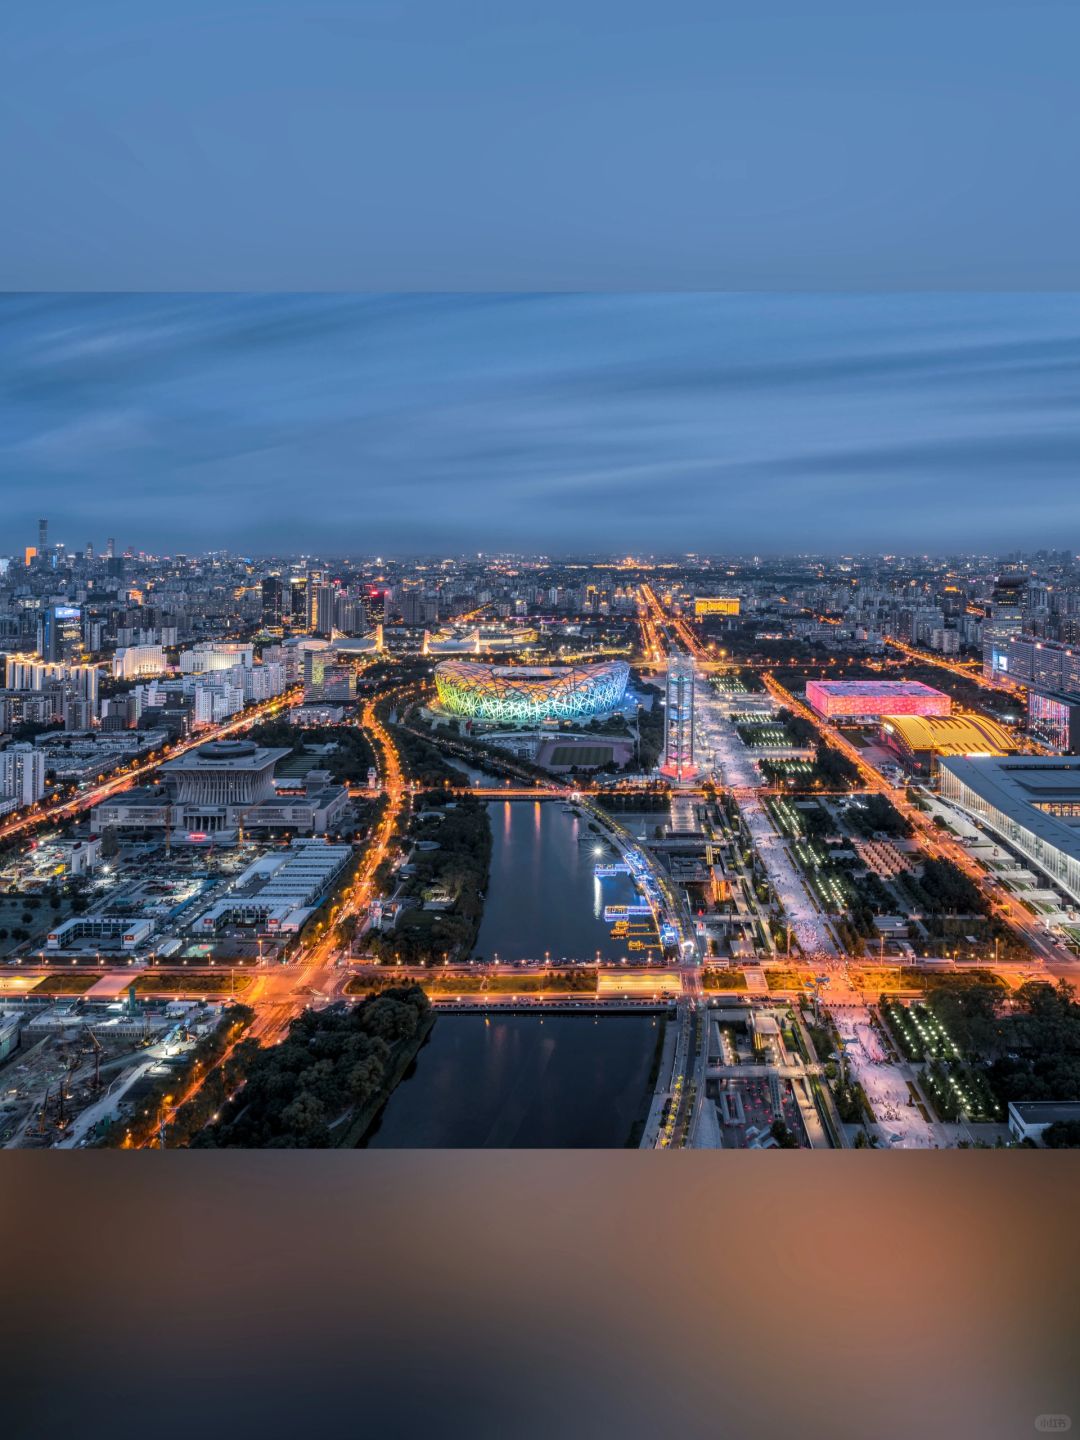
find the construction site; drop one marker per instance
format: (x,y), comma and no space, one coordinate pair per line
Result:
(66,1068)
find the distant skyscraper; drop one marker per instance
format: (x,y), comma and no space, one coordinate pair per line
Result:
(273,593)
(110,547)
(43,537)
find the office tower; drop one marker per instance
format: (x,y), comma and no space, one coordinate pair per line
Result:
(43,538)
(273,599)
(1004,622)
(320,617)
(60,633)
(110,548)
(298,599)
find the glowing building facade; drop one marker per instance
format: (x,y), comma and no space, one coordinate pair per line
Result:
(922,740)
(873,699)
(530,695)
(717,605)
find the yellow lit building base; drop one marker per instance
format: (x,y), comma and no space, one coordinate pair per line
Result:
(643,984)
(717,605)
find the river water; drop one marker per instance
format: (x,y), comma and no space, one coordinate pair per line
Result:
(531,1079)
(509,1081)
(543,895)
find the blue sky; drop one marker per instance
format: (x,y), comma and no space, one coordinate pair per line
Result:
(405,423)
(539,144)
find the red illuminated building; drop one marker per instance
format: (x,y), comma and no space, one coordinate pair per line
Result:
(871,699)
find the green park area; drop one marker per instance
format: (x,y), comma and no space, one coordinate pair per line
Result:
(713,978)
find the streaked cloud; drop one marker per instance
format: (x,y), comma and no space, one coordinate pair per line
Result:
(569,422)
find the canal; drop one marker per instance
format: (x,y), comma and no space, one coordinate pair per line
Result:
(511,1081)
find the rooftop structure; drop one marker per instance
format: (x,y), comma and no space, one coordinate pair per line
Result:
(1028,1119)
(224,772)
(530,695)
(872,699)
(278,892)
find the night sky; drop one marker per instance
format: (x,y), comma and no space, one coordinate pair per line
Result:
(562,423)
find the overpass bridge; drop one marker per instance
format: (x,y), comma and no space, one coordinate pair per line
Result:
(547,1005)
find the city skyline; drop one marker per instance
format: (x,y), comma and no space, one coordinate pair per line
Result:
(660,423)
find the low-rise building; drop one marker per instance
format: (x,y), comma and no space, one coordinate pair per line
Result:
(1028,1119)
(279,892)
(1031,801)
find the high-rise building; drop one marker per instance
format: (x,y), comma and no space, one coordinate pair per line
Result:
(110,548)
(273,599)
(22,774)
(60,634)
(1004,622)
(679,719)
(298,599)
(320,617)
(43,538)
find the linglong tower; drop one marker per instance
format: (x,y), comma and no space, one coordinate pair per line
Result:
(679,719)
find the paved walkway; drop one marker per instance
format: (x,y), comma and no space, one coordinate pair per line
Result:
(733,767)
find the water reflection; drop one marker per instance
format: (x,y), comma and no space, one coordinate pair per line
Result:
(508,1081)
(543,894)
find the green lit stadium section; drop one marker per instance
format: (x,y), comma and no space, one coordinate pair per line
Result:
(530,695)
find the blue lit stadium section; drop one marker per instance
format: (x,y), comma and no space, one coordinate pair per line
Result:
(530,695)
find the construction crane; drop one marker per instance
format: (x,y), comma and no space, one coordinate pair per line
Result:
(73,1065)
(98,1048)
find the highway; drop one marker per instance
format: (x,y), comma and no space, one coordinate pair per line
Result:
(971,672)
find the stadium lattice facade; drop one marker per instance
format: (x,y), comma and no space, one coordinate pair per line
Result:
(530,695)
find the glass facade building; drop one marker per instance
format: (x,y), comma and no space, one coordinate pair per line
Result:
(1031,802)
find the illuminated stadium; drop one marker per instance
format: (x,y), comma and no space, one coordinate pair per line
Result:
(530,695)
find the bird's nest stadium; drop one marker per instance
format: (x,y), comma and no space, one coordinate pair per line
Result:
(530,695)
